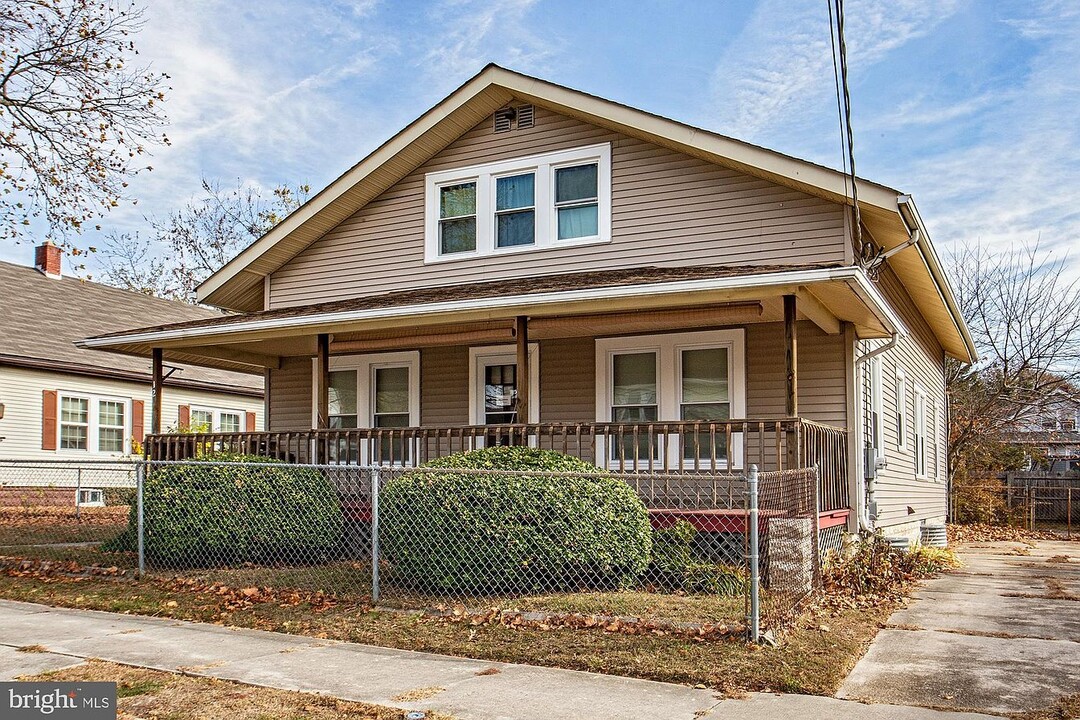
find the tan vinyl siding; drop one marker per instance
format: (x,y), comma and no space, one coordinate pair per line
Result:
(668,209)
(567,380)
(290,395)
(21,391)
(922,360)
(822,394)
(444,386)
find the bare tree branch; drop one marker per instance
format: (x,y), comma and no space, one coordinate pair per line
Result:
(75,120)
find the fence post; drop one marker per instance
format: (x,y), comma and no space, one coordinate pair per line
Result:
(755,569)
(78,493)
(140,475)
(1068,513)
(374,536)
(815,484)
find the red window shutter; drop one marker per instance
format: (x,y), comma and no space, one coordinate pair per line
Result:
(48,419)
(183,416)
(249,424)
(138,419)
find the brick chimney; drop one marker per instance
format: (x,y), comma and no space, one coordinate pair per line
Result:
(47,259)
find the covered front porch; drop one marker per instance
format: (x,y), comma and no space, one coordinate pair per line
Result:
(655,373)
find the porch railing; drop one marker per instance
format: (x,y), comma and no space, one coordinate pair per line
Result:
(663,448)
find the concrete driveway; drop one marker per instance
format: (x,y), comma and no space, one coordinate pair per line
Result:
(1001,635)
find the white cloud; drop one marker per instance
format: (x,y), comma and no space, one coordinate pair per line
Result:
(781,63)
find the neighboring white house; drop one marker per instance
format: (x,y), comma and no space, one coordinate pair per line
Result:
(61,402)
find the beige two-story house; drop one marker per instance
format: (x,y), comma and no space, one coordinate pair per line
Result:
(526,263)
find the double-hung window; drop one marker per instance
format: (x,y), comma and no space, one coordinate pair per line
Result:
(901,409)
(875,430)
(920,432)
(533,203)
(515,210)
(93,424)
(656,381)
(457,218)
(204,419)
(379,391)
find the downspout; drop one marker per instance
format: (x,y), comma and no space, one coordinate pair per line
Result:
(865,485)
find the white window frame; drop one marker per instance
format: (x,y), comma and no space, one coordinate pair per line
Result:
(877,409)
(93,423)
(216,413)
(365,366)
(668,348)
(919,437)
(901,409)
(481,357)
(546,216)
(99,502)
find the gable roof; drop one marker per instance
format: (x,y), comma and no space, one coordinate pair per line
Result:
(43,317)
(889,215)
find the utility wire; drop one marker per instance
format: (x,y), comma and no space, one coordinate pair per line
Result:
(869,255)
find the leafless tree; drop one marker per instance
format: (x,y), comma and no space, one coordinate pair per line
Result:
(194,241)
(75,116)
(1024,315)
(133,263)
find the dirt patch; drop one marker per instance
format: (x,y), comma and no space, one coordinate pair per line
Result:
(152,694)
(489,671)
(1066,708)
(419,694)
(1058,559)
(32,649)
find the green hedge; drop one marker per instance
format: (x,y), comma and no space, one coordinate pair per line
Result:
(448,531)
(204,513)
(675,565)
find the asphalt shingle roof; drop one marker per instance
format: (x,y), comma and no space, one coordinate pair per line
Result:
(42,317)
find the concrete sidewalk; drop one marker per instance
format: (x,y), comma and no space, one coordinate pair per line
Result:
(456,686)
(1000,635)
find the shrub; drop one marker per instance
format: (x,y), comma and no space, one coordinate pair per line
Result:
(500,532)
(206,513)
(675,567)
(875,569)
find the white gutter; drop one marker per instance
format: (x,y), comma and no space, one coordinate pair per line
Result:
(869,294)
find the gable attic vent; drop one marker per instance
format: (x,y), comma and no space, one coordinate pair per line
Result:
(505,117)
(525,116)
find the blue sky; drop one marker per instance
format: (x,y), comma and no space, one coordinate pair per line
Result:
(971,106)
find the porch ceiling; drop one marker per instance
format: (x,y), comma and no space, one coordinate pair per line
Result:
(578,305)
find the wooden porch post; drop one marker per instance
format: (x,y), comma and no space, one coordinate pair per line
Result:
(322,420)
(791,356)
(157,379)
(521,334)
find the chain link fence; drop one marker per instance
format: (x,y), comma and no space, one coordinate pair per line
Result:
(63,510)
(681,548)
(1051,504)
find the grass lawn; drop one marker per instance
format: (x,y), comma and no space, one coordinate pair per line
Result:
(813,658)
(153,694)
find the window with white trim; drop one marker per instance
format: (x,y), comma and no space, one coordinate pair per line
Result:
(876,431)
(494,380)
(92,423)
(90,497)
(696,376)
(901,409)
(532,203)
(217,420)
(919,436)
(378,391)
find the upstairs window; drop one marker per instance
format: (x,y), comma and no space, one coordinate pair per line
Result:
(576,201)
(457,218)
(533,203)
